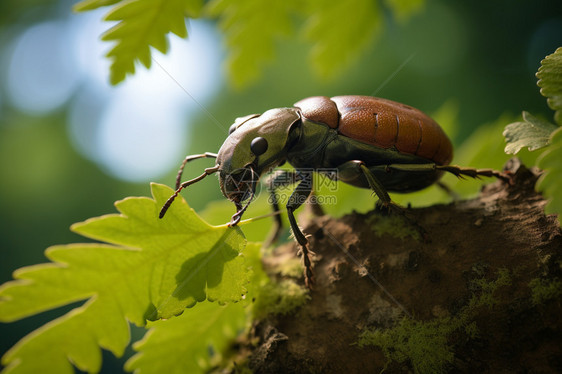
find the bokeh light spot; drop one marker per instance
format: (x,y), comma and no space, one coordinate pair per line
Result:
(42,71)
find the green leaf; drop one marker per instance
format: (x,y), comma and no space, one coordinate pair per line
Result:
(251,28)
(339,31)
(533,133)
(86,5)
(550,82)
(181,344)
(149,269)
(550,183)
(142,24)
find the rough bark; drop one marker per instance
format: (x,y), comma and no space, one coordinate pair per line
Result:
(366,281)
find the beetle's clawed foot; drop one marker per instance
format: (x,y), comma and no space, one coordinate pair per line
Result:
(382,208)
(507,177)
(307,263)
(309,278)
(235,220)
(300,252)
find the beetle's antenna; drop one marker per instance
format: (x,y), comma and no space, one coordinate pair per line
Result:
(191,158)
(169,202)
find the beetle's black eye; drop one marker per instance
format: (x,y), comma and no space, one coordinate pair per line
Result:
(231,129)
(258,146)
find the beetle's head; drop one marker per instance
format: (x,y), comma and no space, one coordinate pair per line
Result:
(256,144)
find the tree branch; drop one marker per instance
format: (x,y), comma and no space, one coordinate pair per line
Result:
(486,262)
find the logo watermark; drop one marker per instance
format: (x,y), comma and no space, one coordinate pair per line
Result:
(300,199)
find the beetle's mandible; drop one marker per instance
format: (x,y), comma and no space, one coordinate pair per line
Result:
(370,142)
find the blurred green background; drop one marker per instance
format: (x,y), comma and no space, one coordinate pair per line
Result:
(71,145)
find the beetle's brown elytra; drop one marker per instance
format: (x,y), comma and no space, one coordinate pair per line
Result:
(382,123)
(369,142)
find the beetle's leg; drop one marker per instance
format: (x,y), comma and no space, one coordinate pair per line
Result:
(390,205)
(238,215)
(240,209)
(297,198)
(351,169)
(191,158)
(458,171)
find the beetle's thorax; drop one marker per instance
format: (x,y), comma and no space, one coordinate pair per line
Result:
(235,155)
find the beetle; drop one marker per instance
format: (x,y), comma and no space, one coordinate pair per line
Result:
(370,142)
